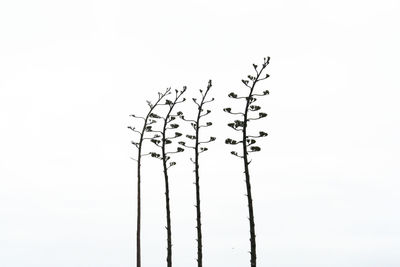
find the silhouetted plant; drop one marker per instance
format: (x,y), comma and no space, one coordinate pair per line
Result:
(147,121)
(198,148)
(248,141)
(161,140)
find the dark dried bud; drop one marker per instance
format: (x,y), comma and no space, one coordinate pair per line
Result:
(250,141)
(239,123)
(154,155)
(255,148)
(191,136)
(155,141)
(232,95)
(262,114)
(254,108)
(230,141)
(153,115)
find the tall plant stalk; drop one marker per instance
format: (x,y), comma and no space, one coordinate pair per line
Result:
(147,120)
(248,141)
(165,157)
(197,150)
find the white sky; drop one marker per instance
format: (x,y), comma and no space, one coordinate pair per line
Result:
(325,185)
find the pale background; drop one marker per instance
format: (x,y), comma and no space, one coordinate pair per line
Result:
(326,184)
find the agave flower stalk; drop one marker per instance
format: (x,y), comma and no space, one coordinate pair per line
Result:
(165,157)
(248,141)
(147,121)
(198,149)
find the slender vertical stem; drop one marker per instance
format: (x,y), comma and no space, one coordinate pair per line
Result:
(198,207)
(166,180)
(138,248)
(253,254)
(167,200)
(139,198)
(138,221)
(197,183)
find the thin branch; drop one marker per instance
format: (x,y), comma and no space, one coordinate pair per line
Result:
(157,144)
(173,137)
(208,101)
(253,119)
(135,144)
(184,144)
(204,126)
(253,136)
(246,82)
(134,130)
(261,134)
(236,154)
(205,114)
(137,117)
(230,141)
(181,101)
(195,101)
(188,120)
(266,77)
(235,96)
(172,152)
(229,110)
(212,139)
(258,95)
(203,149)
(238,130)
